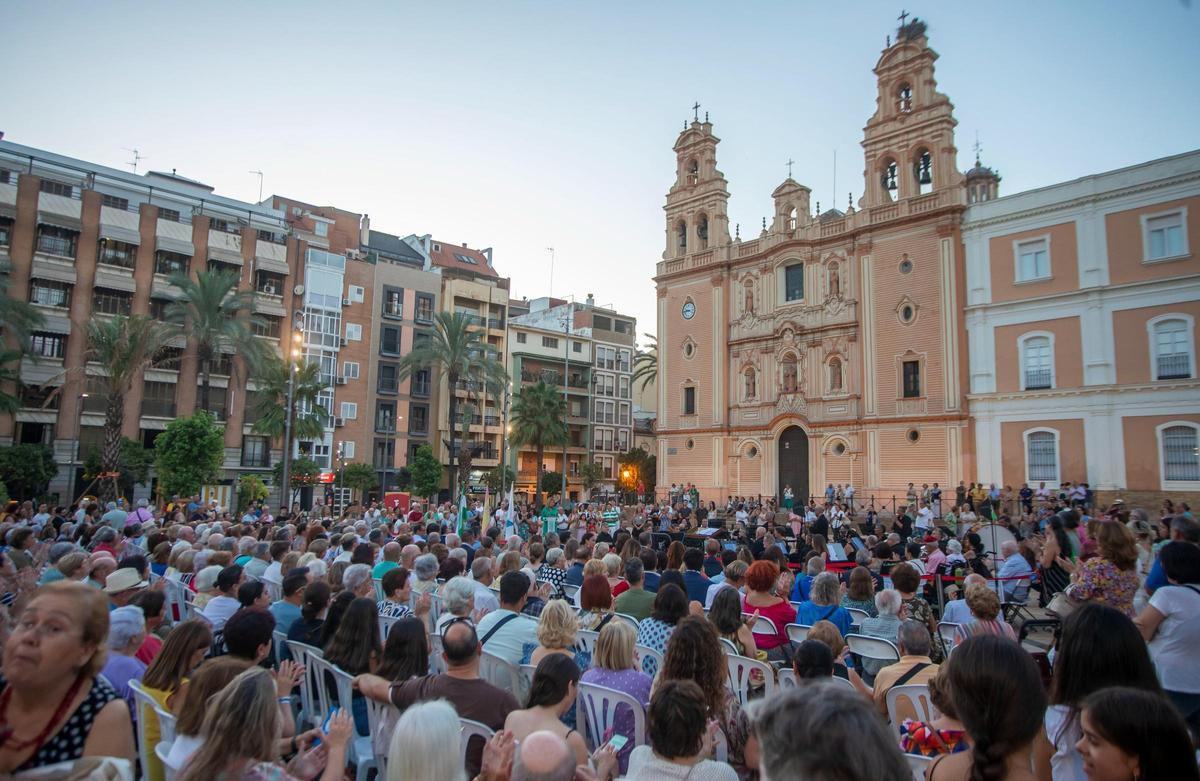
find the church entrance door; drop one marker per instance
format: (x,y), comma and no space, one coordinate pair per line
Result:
(793,464)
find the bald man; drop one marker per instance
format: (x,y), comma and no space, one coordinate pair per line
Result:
(543,756)
(409,554)
(391,560)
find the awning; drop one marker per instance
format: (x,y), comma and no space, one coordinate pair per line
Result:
(58,272)
(175,245)
(271,264)
(8,210)
(118,233)
(224,255)
(60,221)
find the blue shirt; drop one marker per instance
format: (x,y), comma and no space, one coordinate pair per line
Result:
(285,614)
(811,613)
(1157,577)
(574,576)
(800,588)
(697,585)
(651,582)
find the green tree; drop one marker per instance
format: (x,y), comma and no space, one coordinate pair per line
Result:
(27,470)
(270,400)
(359,477)
(17,320)
(404,479)
(552,483)
(134,464)
(219,318)
(457,351)
(645,364)
(498,479)
(538,418)
(124,347)
(251,489)
(188,454)
(426,472)
(591,474)
(644,467)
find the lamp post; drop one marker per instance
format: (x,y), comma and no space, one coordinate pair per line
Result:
(285,487)
(75,447)
(566,401)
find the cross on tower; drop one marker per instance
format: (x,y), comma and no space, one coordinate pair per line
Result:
(902,17)
(978,148)
(696,109)
(789,165)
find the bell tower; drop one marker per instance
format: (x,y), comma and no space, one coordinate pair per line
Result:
(909,142)
(696,206)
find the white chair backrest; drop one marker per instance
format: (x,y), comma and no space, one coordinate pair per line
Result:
(797,633)
(728,647)
(873,648)
(279,645)
(597,712)
(740,676)
(378,584)
(526,672)
(762,625)
(381,720)
(570,591)
(385,625)
(787,679)
(917,696)
(946,634)
(437,664)
(315,668)
(472,729)
(585,640)
(302,653)
(146,705)
(838,681)
(857,616)
(629,620)
(919,765)
(500,673)
(161,751)
(166,725)
(274,589)
(647,659)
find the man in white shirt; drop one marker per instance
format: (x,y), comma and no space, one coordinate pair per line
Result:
(481,573)
(504,631)
(924,519)
(957,611)
(735,578)
(274,570)
(225,604)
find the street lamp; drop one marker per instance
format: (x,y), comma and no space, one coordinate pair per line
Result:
(75,447)
(293,364)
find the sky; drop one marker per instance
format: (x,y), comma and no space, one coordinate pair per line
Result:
(523,125)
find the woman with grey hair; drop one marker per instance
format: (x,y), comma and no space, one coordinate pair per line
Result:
(822,604)
(458,600)
(417,749)
(425,570)
(885,626)
(842,718)
(126,631)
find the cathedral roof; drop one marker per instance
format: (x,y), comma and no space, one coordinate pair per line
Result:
(832,214)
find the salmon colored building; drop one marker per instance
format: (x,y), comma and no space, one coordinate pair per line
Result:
(829,348)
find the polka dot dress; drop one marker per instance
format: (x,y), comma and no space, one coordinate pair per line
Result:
(67,744)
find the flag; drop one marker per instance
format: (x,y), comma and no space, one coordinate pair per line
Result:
(510,525)
(462,513)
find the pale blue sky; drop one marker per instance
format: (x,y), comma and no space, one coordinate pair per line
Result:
(521,125)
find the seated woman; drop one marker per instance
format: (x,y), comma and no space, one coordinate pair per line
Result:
(209,678)
(596,602)
(726,617)
(239,737)
(945,733)
(417,746)
(812,661)
(355,648)
(822,604)
(309,626)
(984,605)
(828,634)
(126,631)
(458,601)
(670,605)
(681,738)
(613,667)
(1131,734)
(406,652)
(763,582)
(694,654)
(550,697)
(182,652)
(860,592)
(556,630)
(53,701)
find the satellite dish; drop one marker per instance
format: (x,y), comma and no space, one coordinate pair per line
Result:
(298,290)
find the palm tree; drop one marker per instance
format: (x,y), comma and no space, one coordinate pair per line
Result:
(645,363)
(270,404)
(124,347)
(219,317)
(456,351)
(538,417)
(17,319)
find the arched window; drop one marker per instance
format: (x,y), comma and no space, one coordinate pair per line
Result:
(923,172)
(1178,443)
(794,282)
(904,99)
(693,171)
(889,179)
(1171,347)
(1041,456)
(681,237)
(702,231)
(1037,362)
(790,211)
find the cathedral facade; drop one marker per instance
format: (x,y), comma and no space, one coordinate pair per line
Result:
(829,348)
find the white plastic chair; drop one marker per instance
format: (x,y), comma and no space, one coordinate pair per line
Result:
(570,591)
(275,590)
(629,620)
(381,720)
(437,664)
(597,712)
(728,647)
(857,616)
(919,765)
(146,706)
(378,584)
(499,672)
(873,648)
(762,625)
(797,633)
(469,730)
(585,640)
(166,725)
(720,746)
(362,752)
(303,654)
(838,681)
(946,633)
(162,750)
(918,697)
(385,625)
(279,645)
(740,668)
(647,659)
(526,672)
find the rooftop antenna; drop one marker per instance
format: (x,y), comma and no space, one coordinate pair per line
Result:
(551,251)
(259,174)
(137,158)
(834,198)
(978,147)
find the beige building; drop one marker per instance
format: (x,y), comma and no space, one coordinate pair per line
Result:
(1083,300)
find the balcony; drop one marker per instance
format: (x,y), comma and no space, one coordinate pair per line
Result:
(1174,367)
(496,323)
(256,460)
(420,389)
(153,408)
(1037,379)
(58,246)
(491,420)
(424,316)
(269,256)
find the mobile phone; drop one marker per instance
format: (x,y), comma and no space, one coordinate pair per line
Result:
(324,727)
(617,742)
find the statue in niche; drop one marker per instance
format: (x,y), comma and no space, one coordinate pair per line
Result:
(789,375)
(751,388)
(749,305)
(835,284)
(835,375)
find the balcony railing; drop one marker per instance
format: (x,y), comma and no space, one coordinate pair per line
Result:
(1174,367)
(423,316)
(496,322)
(158,409)
(1037,379)
(56,245)
(491,420)
(420,389)
(256,460)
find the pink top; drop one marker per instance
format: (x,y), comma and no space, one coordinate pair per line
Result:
(782,613)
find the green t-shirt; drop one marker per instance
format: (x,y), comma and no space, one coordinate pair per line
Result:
(549,517)
(636,602)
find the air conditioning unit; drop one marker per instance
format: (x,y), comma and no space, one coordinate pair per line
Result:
(346,302)
(343,342)
(339,422)
(340,381)
(354,254)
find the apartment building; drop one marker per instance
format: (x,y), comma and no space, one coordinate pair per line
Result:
(587,351)
(404,412)
(85,241)
(1083,300)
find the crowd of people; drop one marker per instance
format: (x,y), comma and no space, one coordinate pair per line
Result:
(683,639)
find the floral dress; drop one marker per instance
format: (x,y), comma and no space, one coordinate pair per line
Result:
(1099,580)
(917,737)
(653,633)
(919,610)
